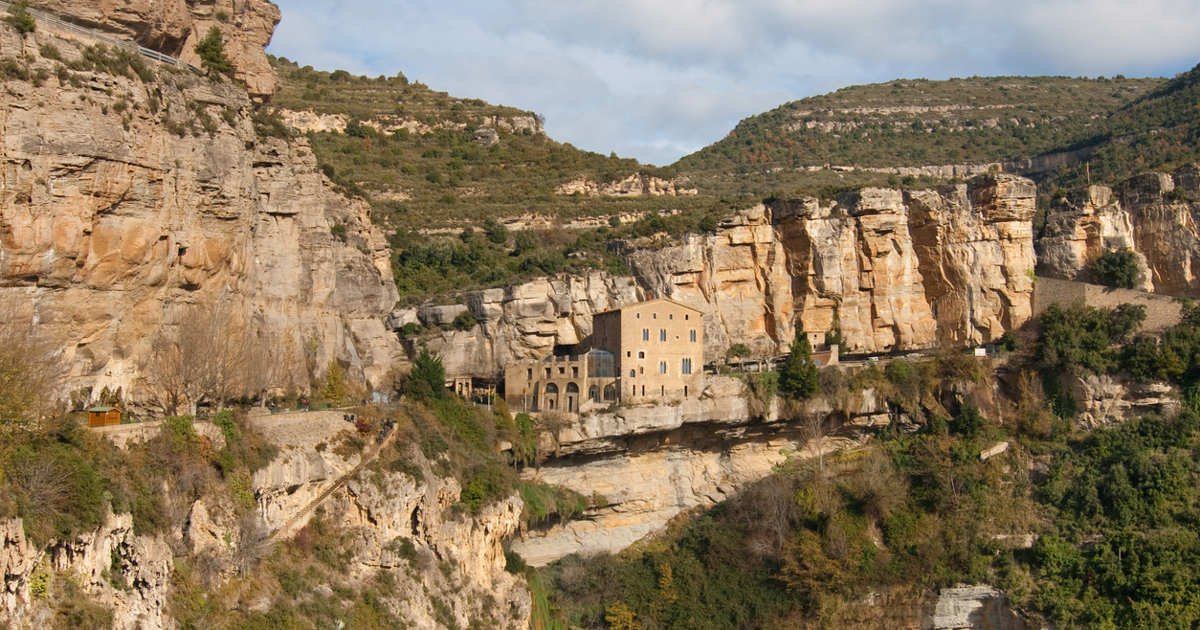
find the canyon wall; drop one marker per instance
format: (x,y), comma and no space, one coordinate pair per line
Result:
(891,270)
(125,201)
(1155,215)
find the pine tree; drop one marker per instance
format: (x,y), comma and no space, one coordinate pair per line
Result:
(428,378)
(212,54)
(797,373)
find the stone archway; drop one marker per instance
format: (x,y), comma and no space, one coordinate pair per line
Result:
(572,397)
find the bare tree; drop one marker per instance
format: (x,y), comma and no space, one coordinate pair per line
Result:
(210,356)
(31,371)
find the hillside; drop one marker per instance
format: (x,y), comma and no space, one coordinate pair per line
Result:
(435,168)
(425,158)
(1158,131)
(917,122)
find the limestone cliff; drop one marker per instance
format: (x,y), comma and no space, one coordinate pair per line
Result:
(174,27)
(1154,215)
(636,185)
(652,463)
(379,507)
(892,270)
(123,201)
(138,598)
(521,322)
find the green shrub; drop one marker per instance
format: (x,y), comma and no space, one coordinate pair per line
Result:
(58,492)
(464,321)
(212,54)
(543,501)
(798,376)
(1117,268)
(339,232)
(486,484)
(428,378)
(19,17)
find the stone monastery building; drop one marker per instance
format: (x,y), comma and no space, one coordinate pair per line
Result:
(650,351)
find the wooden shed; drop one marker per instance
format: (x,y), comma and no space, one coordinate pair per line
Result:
(103,416)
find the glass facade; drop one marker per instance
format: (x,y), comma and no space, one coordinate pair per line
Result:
(601,364)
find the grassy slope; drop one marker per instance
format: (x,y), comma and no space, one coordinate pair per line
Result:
(921,122)
(1157,131)
(450,178)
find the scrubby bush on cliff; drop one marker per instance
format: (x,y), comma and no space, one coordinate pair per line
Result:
(212,54)
(19,17)
(1117,268)
(1085,337)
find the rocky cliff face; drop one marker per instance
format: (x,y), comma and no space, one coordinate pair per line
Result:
(635,185)
(174,27)
(391,525)
(380,508)
(1105,400)
(521,322)
(891,270)
(124,202)
(138,596)
(652,463)
(1154,215)
(314,122)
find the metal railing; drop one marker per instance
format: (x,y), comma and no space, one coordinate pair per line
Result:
(42,16)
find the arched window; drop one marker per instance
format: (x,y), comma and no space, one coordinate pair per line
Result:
(594,393)
(551,388)
(572,388)
(610,392)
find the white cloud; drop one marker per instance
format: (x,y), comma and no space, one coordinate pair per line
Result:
(656,80)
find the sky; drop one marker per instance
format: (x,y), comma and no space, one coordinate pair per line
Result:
(656,80)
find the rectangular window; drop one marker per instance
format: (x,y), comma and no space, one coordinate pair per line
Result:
(641,354)
(547,372)
(662,367)
(562,370)
(574,372)
(662,334)
(686,367)
(530,374)
(645,334)
(692,335)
